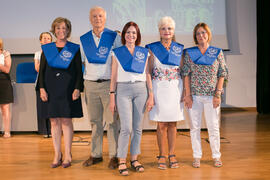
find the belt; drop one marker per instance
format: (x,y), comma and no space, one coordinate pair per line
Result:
(100,80)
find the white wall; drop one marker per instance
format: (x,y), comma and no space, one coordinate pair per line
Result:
(242,57)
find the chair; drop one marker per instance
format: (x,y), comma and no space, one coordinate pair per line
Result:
(26,73)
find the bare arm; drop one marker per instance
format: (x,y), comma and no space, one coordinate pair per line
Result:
(187,93)
(36,61)
(113,84)
(7,65)
(149,68)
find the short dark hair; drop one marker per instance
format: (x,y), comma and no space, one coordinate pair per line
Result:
(138,40)
(58,21)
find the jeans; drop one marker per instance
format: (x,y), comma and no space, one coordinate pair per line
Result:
(130,99)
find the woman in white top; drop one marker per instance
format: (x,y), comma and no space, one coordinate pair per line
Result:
(44,126)
(6,91)
(130,80)
(165,61)
(44,38)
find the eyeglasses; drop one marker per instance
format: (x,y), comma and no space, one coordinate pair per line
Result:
(201,33)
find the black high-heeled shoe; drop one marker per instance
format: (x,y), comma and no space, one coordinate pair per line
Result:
(68,164)
(59,163)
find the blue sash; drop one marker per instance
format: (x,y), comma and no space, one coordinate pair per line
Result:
(135,63)
(98,54)
(60,59)
(172,57)
(208,58)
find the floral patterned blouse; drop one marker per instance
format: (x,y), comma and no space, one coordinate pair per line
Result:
(165,74)
(204,78)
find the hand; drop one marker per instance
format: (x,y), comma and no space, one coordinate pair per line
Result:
(216,102)
(75,94)
(43,95)
(150,103)
(188,101)
(112,103)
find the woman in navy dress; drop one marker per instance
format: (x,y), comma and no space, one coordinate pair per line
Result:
(60,82)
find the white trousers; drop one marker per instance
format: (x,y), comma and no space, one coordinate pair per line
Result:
(200,104)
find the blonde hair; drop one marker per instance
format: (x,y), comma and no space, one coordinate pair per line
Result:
(167,20)
(98,8)
(207,29)
(58,21)
(1,44)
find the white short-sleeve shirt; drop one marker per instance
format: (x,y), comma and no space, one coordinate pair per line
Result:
(95,71)
(124,76)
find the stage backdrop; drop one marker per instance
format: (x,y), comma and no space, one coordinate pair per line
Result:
(23,21)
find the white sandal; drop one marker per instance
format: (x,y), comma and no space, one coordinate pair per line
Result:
(196,163)
(217,162)
(7,135)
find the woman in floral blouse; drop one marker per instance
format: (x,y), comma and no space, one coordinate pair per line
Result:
(165,63)
(204,72)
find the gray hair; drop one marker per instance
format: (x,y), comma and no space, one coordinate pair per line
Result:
(98,8)
(166,20)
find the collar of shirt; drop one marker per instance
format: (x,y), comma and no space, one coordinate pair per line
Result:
(96,38)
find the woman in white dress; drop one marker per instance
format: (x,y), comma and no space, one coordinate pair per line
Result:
(165,64)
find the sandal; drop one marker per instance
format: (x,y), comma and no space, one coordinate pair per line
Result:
(173,164)
(138,168)
(217,162)
(7,135)
(161,166)
(123,172)
(196,163)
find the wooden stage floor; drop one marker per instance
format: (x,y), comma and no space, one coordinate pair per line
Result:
(245,148)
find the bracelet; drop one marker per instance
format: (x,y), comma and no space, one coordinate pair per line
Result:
(112,92)
(220,90)
(217,96)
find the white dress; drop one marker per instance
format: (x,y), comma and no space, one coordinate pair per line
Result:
(167,89)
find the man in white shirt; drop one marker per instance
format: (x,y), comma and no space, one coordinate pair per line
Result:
(96,55)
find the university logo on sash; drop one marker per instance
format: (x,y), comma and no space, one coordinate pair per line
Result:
(171,57)
(129,63)
(98,54)
(60,59)
(208,58)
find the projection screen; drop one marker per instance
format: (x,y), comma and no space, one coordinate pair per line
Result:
(23,21)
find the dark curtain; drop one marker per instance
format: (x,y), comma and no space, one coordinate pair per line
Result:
(263,59)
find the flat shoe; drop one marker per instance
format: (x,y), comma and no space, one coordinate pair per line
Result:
(138,168)
(92,160)
(173,164)
(122,171)
(196,163)
(217,162)
(161,166)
